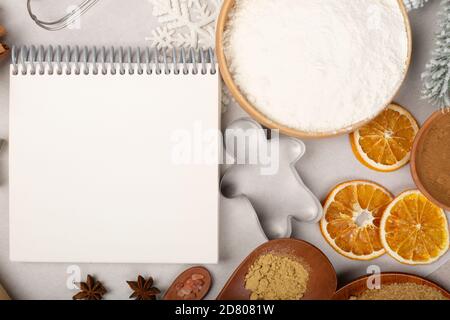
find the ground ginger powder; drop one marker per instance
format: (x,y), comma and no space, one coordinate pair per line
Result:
(432,160)
(274,277)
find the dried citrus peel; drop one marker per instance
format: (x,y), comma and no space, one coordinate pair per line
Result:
(414,230)
(352,215)
(385,143)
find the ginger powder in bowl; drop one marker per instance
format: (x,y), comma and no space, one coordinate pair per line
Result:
(430,163)
(274,277)
(314,67)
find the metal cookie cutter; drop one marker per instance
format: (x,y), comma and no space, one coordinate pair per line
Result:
(64,21)
(272,185)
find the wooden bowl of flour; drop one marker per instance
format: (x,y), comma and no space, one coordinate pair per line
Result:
(287,129)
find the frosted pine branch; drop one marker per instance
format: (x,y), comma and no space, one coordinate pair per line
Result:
(436,77)
(414,4)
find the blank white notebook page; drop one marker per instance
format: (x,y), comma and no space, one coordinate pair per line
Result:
(95,174)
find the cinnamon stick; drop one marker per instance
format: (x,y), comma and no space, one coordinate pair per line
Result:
(3,294)
(3,47)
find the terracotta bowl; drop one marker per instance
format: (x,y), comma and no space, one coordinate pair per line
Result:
(322,277)
(358,286)
(414,154)
(260,117)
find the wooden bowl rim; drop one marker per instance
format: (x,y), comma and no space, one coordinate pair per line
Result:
(414,152)
(273,243)
(258,115)
(402,275)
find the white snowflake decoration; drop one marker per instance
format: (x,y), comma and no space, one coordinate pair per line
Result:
(414,4)
(227,98)
(185,23)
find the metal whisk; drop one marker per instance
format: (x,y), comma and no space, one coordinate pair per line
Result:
(64,21)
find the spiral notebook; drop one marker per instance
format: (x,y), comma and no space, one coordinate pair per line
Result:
(106,154)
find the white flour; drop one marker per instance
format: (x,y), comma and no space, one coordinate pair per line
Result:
(317,65)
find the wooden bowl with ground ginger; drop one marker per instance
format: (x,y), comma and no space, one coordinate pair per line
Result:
(430,159)
(314,270)
(394,286)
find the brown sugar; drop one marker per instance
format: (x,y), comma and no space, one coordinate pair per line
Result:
(433,160)
(402,291)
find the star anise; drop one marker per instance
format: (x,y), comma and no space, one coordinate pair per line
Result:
(90,290)
(143,289)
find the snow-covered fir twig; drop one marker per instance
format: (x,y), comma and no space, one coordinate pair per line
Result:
(414,4)
(437,75)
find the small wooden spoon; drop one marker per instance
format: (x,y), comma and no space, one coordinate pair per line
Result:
(172,292)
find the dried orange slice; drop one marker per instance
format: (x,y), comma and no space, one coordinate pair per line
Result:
(352,214)
(414,230)
(385,143)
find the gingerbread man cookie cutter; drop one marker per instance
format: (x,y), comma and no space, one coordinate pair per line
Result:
(271,184)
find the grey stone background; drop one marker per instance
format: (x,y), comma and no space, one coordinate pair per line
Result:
(326,163)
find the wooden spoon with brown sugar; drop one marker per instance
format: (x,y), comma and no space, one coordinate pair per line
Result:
(192,284)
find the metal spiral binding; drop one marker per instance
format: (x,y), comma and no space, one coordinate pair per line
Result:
(90,60)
